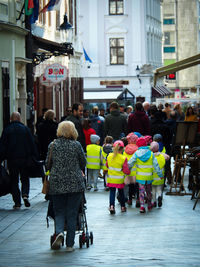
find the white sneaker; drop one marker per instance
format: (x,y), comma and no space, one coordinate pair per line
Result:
(70,249)
(58,241)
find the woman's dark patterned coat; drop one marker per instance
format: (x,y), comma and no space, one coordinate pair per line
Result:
(67,161)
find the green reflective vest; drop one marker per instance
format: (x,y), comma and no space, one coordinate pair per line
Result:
(93,156)
(161,162)
(115,173)
(103,160)
(144,170)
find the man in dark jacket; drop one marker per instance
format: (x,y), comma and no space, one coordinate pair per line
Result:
(46,132)
(115,123)
(75,117)
(17,145)
(97,124)
(158,126)
(139,121)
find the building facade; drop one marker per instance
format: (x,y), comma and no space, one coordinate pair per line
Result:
(27,49)
(121,37)
(13,61)
(59,45)
(181,40)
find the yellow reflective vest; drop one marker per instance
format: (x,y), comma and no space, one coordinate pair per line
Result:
(144,170)
(93,156)
(161,162)
(115,173)
(103,160)
(133,170)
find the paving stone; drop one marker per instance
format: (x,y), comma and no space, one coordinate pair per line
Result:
(167,236)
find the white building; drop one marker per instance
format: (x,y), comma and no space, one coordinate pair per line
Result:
(118,36)
(181,30)
(53,42)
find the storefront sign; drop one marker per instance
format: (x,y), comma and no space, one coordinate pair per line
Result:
(55,73)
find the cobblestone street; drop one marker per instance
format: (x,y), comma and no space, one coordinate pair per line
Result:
(167,236)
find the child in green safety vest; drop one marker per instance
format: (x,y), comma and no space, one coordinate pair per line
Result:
(117,168)
(158,138)
(93,161)
(158,183)
(145,164)
(106,149)
(130,180)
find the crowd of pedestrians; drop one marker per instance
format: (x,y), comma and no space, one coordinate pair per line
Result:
(129,148)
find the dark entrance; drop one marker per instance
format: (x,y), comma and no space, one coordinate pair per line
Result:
(6,95)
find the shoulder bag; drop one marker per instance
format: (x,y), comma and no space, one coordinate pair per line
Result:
(45,187)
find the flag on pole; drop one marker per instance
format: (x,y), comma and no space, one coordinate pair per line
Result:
(86,56)
(35,13)
(29,5)
(52,5)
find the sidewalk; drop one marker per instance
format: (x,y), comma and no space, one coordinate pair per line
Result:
(167,236)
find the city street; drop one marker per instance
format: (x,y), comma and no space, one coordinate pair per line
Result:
(167,236)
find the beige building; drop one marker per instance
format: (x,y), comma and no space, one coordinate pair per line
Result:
(180,41)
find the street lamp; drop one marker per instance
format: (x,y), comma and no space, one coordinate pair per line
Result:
(65,25)
(137,70)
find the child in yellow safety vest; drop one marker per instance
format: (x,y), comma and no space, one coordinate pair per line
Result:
(93,161)
(117,167)
(106,149)
(145,164)
(130,180)
(158,138)
(158,183)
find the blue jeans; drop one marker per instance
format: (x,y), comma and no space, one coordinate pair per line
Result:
(121,196)
(66,207)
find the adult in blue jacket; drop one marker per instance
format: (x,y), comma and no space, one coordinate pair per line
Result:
(17,146)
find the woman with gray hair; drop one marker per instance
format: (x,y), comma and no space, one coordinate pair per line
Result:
(66,182)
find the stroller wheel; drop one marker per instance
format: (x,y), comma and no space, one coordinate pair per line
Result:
(80,241)
(87,241)
(91,238)
(51,239)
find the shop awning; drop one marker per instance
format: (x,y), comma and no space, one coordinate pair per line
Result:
(160,90)
(179,65)
(106,94)
(49,49)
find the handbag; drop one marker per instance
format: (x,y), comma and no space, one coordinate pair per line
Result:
(34,168)
(45,187)
(5,182)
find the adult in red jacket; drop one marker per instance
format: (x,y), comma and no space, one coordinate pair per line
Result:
(139,121)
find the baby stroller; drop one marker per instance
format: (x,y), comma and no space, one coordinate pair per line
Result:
(81,228)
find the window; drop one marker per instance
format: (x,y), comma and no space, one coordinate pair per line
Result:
(168,21)
(169,49)
(116,51)
(116,7)
(169,38)
(3,9)
(42,16)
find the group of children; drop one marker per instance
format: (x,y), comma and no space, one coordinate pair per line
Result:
(134,165)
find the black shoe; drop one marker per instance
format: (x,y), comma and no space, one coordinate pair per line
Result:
(159,202)
(17,206)
(137,205)
(26,202)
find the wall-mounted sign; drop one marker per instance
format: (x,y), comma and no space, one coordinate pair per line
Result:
(55,73)
(121,82)
(44,81)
